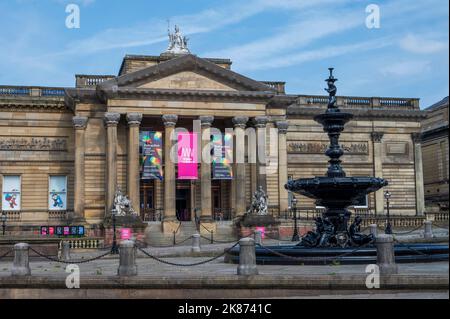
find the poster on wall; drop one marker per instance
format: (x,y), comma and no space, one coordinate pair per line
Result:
(222,156)
(11,193)
(187,155)
(151,155)
(57,198)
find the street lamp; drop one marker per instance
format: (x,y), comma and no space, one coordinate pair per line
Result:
(4,218)
(388,229)
(295,236)
(114,248)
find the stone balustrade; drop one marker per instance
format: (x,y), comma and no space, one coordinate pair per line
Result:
(83,80)
(362,102)
(33,91)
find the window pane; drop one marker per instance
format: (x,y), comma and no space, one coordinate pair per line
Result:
(57,199)
(11,193)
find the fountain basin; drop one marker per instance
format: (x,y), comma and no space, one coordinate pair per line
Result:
(405,253)
(336,192)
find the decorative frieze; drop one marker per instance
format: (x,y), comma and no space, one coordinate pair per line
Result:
(28,143)
(351,148)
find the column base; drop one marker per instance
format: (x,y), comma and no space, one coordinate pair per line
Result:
(170,225)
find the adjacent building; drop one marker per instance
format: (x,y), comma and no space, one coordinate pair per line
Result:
(435,156)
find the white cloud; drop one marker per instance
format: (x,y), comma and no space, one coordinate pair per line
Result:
(420,44)
(406,68)
(317,54)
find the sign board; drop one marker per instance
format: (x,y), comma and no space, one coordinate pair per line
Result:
(187,155)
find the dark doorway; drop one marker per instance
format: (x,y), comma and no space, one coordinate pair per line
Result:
(183,203)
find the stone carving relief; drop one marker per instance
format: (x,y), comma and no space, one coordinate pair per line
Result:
(8,143)
(358,148)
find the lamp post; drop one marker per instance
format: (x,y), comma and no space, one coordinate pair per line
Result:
(388,229)
(114,248)
(295,236)
(4,218)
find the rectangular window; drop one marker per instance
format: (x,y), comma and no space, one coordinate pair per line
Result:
(362,202)
(11,193)
(57,197)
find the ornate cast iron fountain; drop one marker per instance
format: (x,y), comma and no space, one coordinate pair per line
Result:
(335,191)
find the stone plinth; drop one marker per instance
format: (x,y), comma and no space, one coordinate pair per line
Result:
(247,224)
(137,228)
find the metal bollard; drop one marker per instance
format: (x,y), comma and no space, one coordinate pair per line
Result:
(127,259)
(21,264)
(374,229)
(258,237)
(65,251)
(428,233)
(195,243)
(247,257)
(385,254)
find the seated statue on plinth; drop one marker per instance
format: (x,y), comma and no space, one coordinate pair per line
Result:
(122,204)
(259,203)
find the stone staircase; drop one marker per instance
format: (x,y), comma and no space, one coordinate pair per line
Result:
(154,235)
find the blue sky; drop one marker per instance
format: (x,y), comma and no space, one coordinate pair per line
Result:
(274,40)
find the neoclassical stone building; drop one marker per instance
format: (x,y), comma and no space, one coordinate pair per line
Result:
(64,151)
(435,155)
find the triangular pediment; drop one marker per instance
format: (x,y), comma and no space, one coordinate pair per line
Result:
(187,80)
(187,72)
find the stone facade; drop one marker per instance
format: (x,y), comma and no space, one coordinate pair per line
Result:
(434,141)
(90,134)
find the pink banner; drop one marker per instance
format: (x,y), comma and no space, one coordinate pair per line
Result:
(187,156)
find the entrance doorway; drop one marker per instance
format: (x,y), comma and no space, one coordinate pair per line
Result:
(183,201)
(147,196)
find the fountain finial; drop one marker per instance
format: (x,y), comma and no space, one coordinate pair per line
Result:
(331,91)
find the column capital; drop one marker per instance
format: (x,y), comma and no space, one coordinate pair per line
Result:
(377,136)
(282,126)
(134,119)
(111,118)
(206,120)
(260,121)
(416,137)
(240,121)
(170,119)
(79,122)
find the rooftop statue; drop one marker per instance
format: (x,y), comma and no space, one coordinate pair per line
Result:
(177,42)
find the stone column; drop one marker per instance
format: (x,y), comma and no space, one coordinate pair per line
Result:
(385,254)
(21,263)
(282,165)
(247,257)
(170,222)
(79,123)
(260,124)
(378,169)
(134,120)
(239,163)
(111,120)
(428,229)
(205,173)
(127,259)
(418,168)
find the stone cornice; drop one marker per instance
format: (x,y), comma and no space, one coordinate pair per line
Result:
(435,133)
(408,115)
(192,95)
